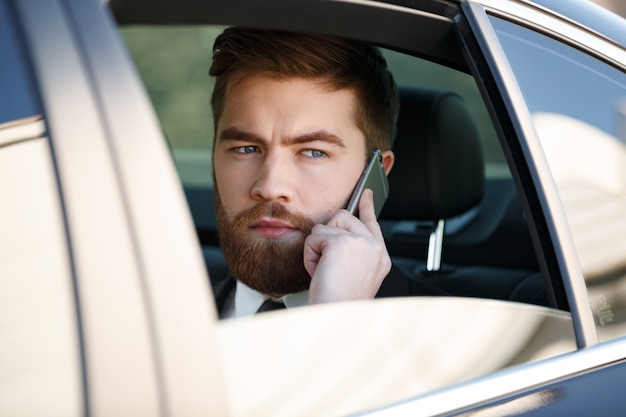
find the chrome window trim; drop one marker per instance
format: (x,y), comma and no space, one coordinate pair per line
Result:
(21,130)
(562,28)
(396,8)
(507,382)
(574,283)
(536,5)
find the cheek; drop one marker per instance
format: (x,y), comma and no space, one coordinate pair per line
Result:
(324,195)
(231,187)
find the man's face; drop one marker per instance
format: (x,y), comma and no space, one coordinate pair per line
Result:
(287,156)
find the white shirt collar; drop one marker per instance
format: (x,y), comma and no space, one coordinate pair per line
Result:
(247,301)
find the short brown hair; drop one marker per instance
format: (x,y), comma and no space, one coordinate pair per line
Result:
(344,64)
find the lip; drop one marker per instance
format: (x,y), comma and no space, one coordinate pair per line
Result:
(273,229)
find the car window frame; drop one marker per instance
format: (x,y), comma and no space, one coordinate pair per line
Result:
(233,18)
(492,385)
(603,84)
(451,26)
(530,162)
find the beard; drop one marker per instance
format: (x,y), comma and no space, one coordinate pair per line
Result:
(271,266)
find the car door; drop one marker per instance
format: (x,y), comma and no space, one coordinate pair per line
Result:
(101,295)
(576,92)
(575,99)
(39,347)
(283,342)
(560,89)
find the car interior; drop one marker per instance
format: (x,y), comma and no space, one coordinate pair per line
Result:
(440,172)
(440,203)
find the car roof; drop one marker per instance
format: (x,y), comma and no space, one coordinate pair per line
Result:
(583,13)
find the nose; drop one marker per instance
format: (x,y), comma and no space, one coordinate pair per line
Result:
(274,180)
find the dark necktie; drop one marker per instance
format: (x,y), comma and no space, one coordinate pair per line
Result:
(269,305)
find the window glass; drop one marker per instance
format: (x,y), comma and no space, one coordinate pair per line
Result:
(173,62)
(19,100)
(409,70)
(577,104)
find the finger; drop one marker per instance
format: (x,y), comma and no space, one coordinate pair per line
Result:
(341,222)
(367,213)
(312,255)
(314,246)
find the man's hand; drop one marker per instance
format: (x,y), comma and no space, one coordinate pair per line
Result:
(347,257)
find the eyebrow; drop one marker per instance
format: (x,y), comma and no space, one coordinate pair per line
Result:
(233,133)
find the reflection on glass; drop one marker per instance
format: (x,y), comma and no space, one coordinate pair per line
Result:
(451,340)
(577,104)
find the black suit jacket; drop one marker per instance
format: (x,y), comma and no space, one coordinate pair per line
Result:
(396,284)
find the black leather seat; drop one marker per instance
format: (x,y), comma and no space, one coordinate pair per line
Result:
(439,175)
(439,168)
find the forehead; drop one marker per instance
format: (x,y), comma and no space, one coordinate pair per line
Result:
(262,96)
(247,80)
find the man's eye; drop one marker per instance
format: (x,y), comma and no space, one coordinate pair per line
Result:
(314,153)
(246,149)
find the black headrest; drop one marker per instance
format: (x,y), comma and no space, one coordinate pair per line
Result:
(438,171)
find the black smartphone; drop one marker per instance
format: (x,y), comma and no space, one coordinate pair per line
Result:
(375,179)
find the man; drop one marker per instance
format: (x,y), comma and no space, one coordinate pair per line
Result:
(296,117)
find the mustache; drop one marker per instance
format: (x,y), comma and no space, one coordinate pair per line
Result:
(276,211)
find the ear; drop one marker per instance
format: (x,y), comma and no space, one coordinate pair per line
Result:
(388,160)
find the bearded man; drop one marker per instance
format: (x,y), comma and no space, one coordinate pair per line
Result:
(296,117)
